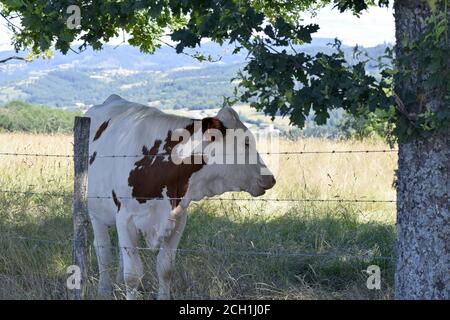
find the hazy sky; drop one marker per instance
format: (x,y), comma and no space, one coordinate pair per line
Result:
(373,27)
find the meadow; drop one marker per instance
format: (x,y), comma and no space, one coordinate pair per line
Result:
(230,249)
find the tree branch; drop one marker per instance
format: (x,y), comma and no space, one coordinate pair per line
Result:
(400,106)
(194,56)
(13,58)
(9,23)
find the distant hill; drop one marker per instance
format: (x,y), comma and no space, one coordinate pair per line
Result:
(164,79)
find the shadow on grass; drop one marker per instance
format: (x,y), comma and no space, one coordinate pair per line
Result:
(321,252)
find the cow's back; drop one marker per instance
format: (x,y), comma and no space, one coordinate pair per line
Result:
(113,108)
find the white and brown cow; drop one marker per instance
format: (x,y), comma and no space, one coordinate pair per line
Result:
(149,194)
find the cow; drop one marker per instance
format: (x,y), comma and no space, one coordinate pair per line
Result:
(143,173)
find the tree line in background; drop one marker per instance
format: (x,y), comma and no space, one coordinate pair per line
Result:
(20,116)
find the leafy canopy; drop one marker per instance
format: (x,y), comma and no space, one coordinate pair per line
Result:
(277,78)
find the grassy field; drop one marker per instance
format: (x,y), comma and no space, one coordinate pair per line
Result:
(35,230)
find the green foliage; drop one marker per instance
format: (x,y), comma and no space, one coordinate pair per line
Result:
(277,78)
(21,116)
(373,124)
(357,6)
(426,61)
(294,84)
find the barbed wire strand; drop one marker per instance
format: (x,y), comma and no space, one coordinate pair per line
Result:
(259,253)
(208,250)
(14,154)
(35,239)
(69,195)
(168,154)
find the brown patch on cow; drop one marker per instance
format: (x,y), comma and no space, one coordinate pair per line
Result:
(92,158)
(116,201)
(101,129)
(153,172)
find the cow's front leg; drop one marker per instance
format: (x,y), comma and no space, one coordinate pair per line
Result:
(166,256)
(172,221)
(133,270)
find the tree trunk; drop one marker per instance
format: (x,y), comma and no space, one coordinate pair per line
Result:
(423,218)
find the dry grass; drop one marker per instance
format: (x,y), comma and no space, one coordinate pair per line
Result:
(36,269)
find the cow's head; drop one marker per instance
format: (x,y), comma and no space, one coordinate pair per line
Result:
(231,162)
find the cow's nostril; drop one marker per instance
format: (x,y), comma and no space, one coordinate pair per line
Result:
(272,182)
(269,182)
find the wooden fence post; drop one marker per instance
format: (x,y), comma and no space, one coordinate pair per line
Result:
(80,210)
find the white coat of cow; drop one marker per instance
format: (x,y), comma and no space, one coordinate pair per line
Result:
(148,193)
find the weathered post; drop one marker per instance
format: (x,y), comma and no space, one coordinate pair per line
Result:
(80,211)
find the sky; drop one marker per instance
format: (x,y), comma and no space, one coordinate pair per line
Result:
(373,27)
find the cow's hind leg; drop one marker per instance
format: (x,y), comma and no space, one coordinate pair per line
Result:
(102,244)
(133,270)
(166,257)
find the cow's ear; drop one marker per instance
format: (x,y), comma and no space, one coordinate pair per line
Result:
(213,123)
(229,117)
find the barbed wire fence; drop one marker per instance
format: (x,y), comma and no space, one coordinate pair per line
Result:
(80,215)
